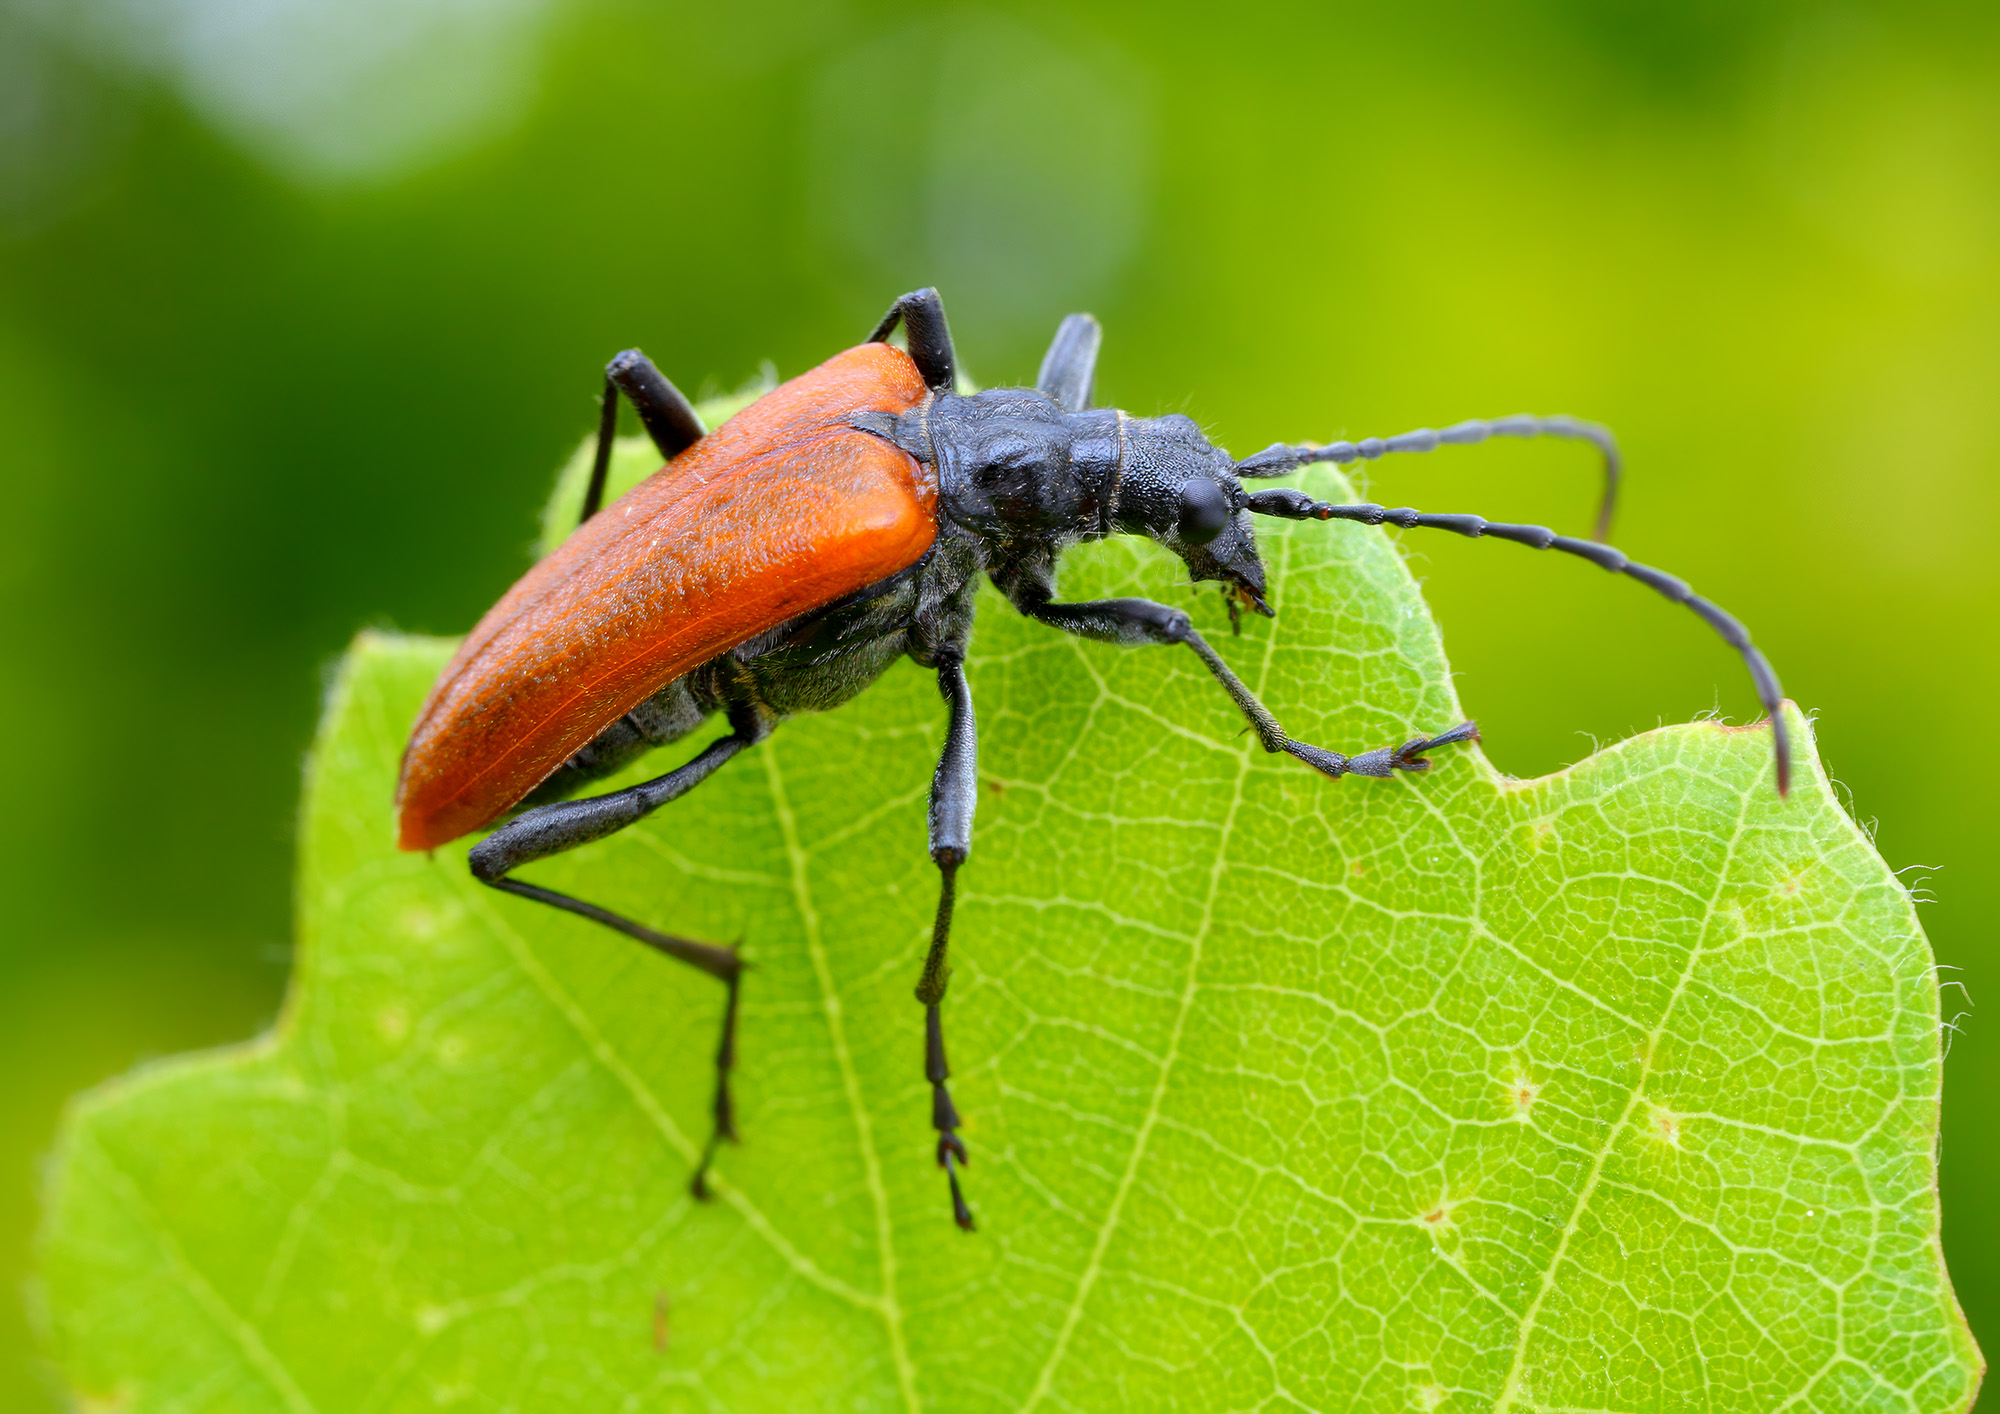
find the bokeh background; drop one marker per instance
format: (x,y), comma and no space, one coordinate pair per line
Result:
(302,302)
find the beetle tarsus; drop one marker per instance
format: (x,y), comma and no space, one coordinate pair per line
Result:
(725,1109)
(951,1152)
(724,1126)
(1383,761)
(1413,755)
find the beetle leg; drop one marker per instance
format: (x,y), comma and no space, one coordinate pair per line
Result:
(1134,621)
(669,418)
(921,313)
(1278,459)
(1383,761)
(954,796)
(1070,366)
(551,829)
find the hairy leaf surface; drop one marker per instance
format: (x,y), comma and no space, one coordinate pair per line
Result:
(1615,1090)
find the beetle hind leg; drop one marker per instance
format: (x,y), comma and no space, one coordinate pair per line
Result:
(551,829)
(724,1126)
(721,963)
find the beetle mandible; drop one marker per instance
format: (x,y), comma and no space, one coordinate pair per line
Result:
(783,562)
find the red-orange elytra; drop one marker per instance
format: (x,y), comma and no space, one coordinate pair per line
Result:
(781,511)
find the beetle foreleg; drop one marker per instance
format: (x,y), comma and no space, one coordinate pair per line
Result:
(1382,762)
(551,829)
(1134,621)
(954,796)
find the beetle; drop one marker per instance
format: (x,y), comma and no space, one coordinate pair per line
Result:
(783,562)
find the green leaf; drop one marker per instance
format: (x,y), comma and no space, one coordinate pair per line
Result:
(1613,1090)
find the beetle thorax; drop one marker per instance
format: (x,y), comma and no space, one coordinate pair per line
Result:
(1011,461)
(1016,471)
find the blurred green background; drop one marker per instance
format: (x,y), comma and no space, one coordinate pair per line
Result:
(302,302)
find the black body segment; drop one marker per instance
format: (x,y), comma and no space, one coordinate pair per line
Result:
(1021,475)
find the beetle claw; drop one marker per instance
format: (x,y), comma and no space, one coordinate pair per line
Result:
(1410,756)
(960,1213)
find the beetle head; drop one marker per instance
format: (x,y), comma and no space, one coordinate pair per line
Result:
(1183,492)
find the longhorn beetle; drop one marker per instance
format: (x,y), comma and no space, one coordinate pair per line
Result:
(781,563)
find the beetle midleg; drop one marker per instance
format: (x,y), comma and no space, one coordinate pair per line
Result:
(1134,621)
(954,796)
(551,829)
(668,417)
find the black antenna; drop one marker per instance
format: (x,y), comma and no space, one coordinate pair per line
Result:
(1278,459)
(1291,504)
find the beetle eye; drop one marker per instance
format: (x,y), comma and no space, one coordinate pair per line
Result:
(1205,509)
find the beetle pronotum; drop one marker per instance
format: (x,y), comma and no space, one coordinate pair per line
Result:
(781,563)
